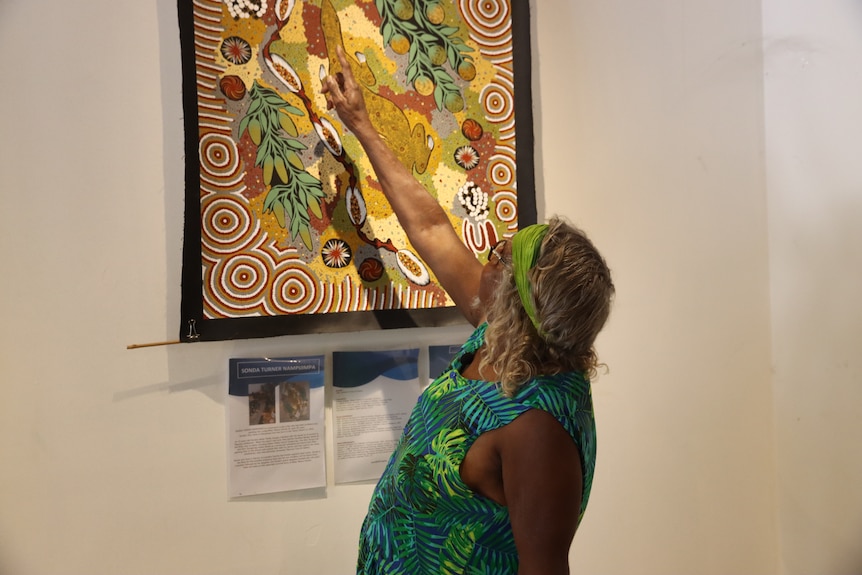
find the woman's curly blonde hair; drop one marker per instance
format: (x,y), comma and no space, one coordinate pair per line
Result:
(572,293)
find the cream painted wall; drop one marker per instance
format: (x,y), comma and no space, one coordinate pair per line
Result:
(814,135)
(649,135)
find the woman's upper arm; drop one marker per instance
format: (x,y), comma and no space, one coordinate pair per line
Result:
(542,481)
(454,264)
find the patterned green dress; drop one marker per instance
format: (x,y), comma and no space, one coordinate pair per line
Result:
(422,517)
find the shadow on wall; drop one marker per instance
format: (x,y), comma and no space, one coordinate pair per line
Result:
(211,386)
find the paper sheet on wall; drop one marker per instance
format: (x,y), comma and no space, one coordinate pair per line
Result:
(275,419)
(439,358)
(374,393)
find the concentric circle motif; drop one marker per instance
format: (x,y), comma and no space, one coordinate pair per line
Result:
(228,225)
(219,159)
(238,283)
(294,289)
(506,206)
(499,103)
(502,170)
(489,20)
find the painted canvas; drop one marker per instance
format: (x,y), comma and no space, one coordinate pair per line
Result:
(287,230)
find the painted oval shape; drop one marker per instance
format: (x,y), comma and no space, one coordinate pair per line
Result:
(472,129)
(284,72)
(412,267)
(329,136)
(232,87)
(356,206)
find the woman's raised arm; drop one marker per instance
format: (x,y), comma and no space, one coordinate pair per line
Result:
(424,221)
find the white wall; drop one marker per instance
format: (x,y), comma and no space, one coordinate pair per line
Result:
(649,134)
(814,137)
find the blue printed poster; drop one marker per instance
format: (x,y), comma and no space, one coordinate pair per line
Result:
(374,392)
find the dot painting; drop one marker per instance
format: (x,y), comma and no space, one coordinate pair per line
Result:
(292,219)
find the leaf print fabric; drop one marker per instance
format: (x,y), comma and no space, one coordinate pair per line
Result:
(422,518)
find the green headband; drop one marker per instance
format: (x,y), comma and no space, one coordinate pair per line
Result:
(525,251)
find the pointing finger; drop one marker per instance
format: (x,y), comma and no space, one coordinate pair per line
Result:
(346,80)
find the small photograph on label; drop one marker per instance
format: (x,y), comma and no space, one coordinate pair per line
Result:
(261,403)
(294,401)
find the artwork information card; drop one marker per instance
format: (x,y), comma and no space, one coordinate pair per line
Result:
(374,394)
(275,421)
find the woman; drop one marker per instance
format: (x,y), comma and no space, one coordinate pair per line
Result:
(493,471)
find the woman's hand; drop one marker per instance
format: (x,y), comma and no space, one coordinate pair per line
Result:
(345,96)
